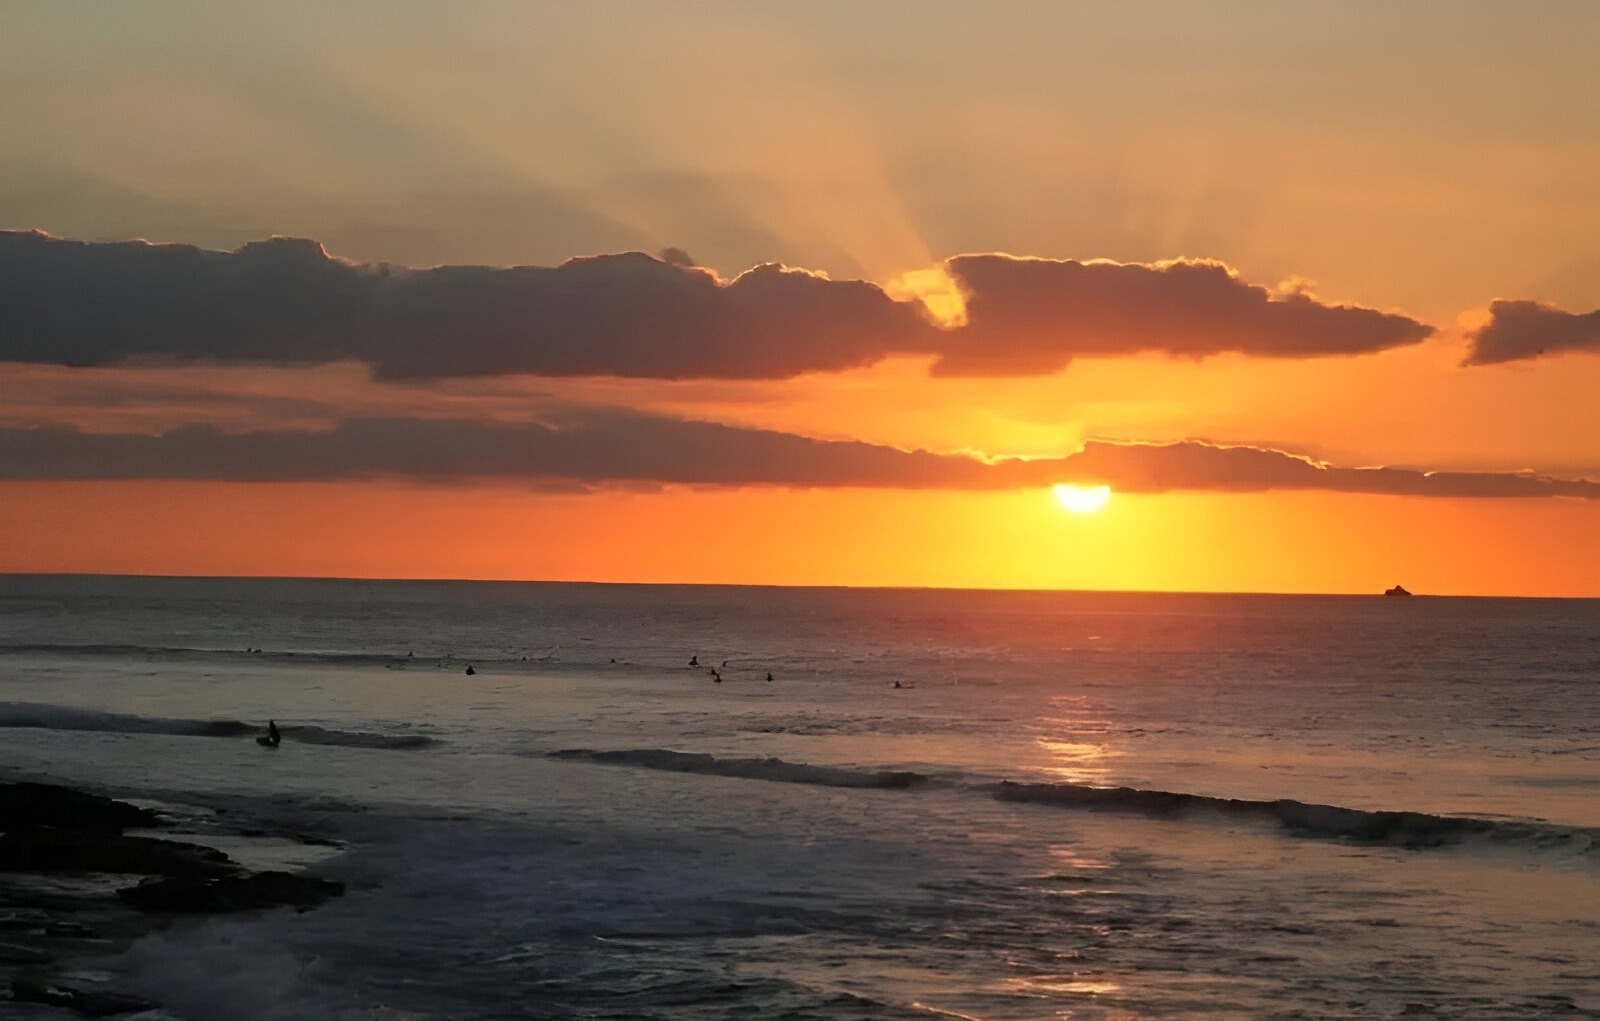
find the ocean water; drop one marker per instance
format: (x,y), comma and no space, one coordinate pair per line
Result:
(986,805)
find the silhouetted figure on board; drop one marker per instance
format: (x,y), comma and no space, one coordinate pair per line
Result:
(470,671)
(694,660)
(769,676)
(898,684)
(273,738)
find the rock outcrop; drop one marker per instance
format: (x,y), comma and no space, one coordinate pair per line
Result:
(47,830)
(27,806)
(251,892)
(86,1003)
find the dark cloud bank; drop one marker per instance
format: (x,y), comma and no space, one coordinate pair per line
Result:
(1031,316)
(1527,329)
(590,448)
(287,301)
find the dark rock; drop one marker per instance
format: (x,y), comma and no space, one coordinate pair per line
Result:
(231,893)
(1398,590)
(53,830)
(11,953)
(70,930)
(24,806)
(88,1004)
(47,850)
(27,920)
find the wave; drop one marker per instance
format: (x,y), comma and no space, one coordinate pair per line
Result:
(1405,829)
(394,661)
(776,770)
(57,717)
(1414,830)
(42,716)
(308,734)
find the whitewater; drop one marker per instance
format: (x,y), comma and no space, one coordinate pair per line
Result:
(983,805)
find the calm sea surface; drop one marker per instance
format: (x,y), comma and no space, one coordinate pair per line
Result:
(962,804)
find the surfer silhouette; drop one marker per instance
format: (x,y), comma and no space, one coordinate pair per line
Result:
(273,737)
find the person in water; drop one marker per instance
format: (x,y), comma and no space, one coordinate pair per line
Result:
(273,737)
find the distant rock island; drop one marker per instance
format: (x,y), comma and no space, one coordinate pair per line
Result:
(1398,590)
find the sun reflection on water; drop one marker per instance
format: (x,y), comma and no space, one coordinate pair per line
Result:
(1075,983)
(1074,739)
(1079,762)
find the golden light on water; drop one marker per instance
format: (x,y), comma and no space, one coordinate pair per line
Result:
(1078,762)
(1081,499)
(1071,983)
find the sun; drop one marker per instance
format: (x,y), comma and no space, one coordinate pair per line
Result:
(1081,499)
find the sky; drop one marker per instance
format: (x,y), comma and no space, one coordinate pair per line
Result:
(1295,297)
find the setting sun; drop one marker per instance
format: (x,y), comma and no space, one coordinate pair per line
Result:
(654,462)
(1081,499)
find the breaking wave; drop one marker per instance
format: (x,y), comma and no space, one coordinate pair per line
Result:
(177,652)
(56,717)
(1299,818)
(1406,829)
(185,652)
(308,734)
(776,770)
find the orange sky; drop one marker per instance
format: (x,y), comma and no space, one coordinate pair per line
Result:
(1196,542)
(1421,163)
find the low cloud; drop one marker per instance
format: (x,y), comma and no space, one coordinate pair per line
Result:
(595,448)
(582,447)
(1192,465)
(1527,329)
(287,301)
(1032,316)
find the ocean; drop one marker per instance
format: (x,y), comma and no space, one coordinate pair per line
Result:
(958,804)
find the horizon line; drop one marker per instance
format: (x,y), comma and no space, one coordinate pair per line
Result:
(1379,592)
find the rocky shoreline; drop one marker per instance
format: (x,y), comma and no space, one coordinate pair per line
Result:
(76,884)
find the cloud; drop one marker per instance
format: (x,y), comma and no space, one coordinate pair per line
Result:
(577,446)
(1528,329)
(287,301)
(632,315)
(1031,316)
(591,448)
(71,303)
(1194,465)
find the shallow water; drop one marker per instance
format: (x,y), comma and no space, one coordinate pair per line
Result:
(827,845)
